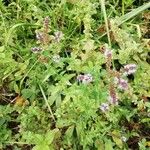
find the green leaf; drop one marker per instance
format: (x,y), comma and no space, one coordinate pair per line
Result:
(133,13)
(49,137)
(27,93)
(1,48)
(108,145)
(99,145)
(117,138)
(58,101)
(41,147)
(69,131)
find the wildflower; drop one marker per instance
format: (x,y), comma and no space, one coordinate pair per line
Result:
(108,53)
(39,36)
(104,107)
(122,84)
(46,21)
(130,69)
(56,58)
(36,49)
(123,138)
(58,36)
(80,77)
(87,78)
(113,100)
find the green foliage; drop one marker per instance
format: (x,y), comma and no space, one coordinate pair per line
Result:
(56,77)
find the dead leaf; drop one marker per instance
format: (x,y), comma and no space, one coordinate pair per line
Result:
(20,101)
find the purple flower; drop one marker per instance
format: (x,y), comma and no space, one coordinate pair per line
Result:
(108,53)
(58,36)
(104,107)
(122,84)
(130,69)
(80,77)
(87,78)
(36,49)
(113,100)
(56,58)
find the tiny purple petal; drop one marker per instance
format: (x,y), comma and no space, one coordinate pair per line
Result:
(36,49)
(104,107)
(80,77)
(113,100)
(123,84)
(130,69)
(108,53)
(87,78)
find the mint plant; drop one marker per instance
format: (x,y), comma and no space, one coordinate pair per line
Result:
(74,75)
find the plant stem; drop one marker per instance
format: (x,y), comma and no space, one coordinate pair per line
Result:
(122,7)
(21,82)
(102,2)
(46,101)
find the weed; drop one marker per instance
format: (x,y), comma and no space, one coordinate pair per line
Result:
(74,75)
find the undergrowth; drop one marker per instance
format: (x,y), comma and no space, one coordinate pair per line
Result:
(74,75)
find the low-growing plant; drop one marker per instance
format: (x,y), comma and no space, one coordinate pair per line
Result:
(74,75)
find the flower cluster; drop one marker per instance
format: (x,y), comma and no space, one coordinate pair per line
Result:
(108,53)
(36,49)
(87,78)
(122,84)
(113,100)
(104,107)
(130,69)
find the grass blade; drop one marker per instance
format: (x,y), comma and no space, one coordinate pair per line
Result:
(133,13)
(49,108)
(102,2)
